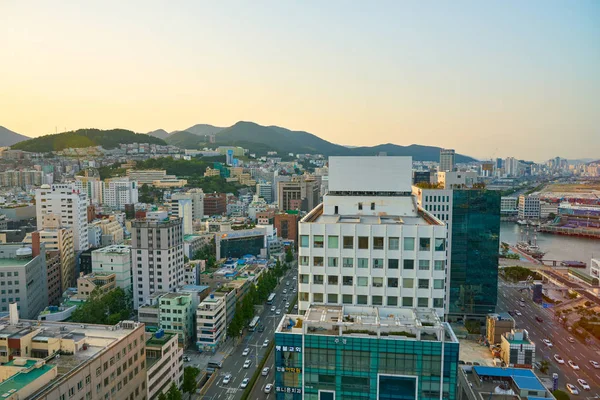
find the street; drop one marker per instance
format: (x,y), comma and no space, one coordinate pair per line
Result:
(581,354)
(234,363)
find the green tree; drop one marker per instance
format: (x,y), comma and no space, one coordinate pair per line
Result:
(189,380)
(162,396)
(544,365)
(561,395)
(289,256)
(109,308)
(174,393)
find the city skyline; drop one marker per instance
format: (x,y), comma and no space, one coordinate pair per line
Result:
(489,80)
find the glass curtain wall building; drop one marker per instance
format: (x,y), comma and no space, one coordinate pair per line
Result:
(474,252)
(357,352)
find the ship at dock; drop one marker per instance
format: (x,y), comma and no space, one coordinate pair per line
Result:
(528,244)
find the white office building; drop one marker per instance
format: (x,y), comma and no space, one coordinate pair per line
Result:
(157,255)
(210,322)
(66,201)
(369,243)
(529,207)
(120,191)
(115,259)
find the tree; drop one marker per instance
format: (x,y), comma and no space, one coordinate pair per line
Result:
(189,380)
(289,256)
(174,393)
(107,309)
(544,365)
(162,396)
(560,395)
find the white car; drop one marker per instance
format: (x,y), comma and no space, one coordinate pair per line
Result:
(266,343)
(284,291)
(226,379)
(278,312)
(273,309)
(244,382)
(518,313)
(572,389)
(268,388)
(294,278)
(547,342)
(595,364)
(294,291)
(295,306)
(247,363)
(573,365)
(265,371)
(287,305)
(559,359)
(570,339)
(584,385)
(246,351)
(287,283)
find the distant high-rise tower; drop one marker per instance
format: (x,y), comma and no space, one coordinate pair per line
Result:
(447,160)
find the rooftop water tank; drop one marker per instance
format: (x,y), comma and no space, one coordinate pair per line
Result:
(24,252)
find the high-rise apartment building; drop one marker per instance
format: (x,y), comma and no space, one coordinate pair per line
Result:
(447,160)
(473,220)
(182,207)
(57,238)
(120,191)
(157,255)
(66,201)
(369,243)
(24,280)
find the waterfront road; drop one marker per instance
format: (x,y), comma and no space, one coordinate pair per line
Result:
(234,364)
(551,329)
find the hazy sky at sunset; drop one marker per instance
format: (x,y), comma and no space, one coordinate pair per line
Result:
(486,78)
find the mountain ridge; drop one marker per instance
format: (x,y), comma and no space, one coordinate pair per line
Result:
(9,138)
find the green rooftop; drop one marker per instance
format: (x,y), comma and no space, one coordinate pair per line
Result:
(22,379)
(518,341)
(154,342)
(14,262)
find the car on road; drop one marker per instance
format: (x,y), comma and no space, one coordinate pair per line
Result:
(273,308)
(547,342)
(186,359)
(295,306)
(584,385)
(261,328)
(522,304)
(539,319)
(287,305)
(268,388)
(278,312)
(573,365)
(226,379)
(287,283)
(595,364)
(570,339)
(246,351)
(266,343)
(284,291)
(265,371)
(294,291)
(294,278)
(559,359)
(247,363)
(244,382)
(518,313)
(572,389)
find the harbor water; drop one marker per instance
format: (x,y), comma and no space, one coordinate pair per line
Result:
(557,247)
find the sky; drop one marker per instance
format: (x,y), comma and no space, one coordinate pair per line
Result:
(489,79)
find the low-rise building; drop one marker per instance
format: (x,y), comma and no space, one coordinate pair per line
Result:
(164,363)
(114,259)
(509,206)
(517,350)
(96,362)
(101,282)
(210,323)
(497,325)
(380,352)
(176,314)
(529,207)
(149,313)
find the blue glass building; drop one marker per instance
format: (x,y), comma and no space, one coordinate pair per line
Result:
(360,352)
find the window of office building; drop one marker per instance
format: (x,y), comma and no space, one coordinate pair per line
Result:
(424,244)
(318,261)
(423,302)
(348,242)
(362,262)
(393,282)
(438,283)
(407,302)
(361,299)
(392,263)
(377,300)
(438,265)
(409,264)
(377,243)
(409,243)
(363,242)
(318,241)
(378,263)
(392,301)
(423,283)
(408,283)
(304,241)
(362,281)
(332,242)
(332,261)
(347,262)
(440,244)
(393,243)
(423,265)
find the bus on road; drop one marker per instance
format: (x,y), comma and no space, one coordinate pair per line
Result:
(271,298)
(253,323)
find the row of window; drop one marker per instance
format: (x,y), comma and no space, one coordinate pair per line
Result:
(16,273)
(438,198)
(378,243)
(391,301)
(408,283)
(376,263)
